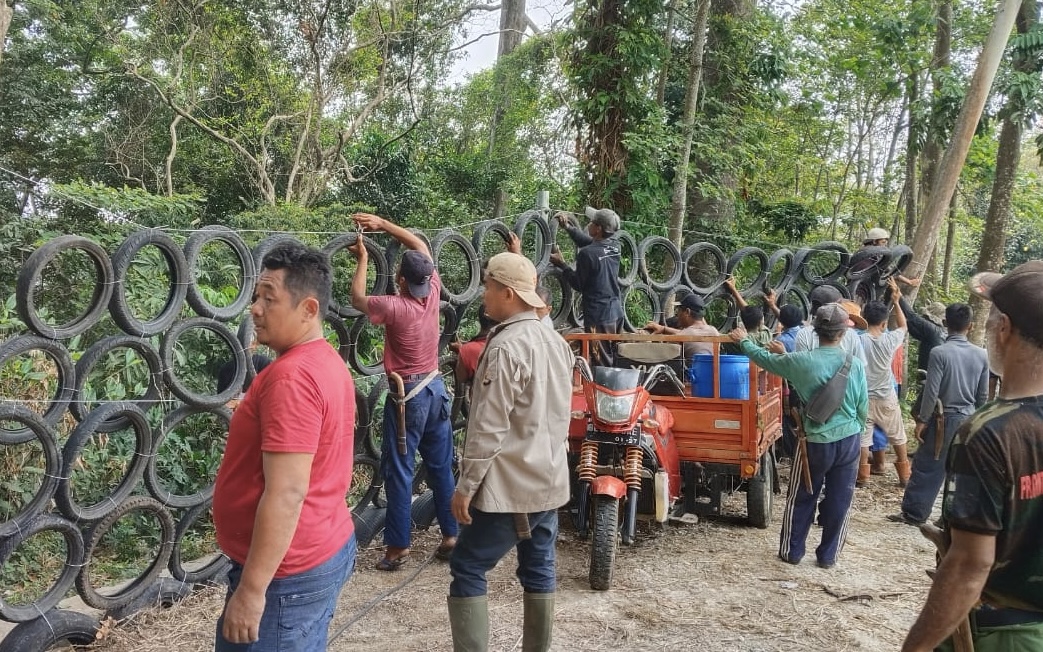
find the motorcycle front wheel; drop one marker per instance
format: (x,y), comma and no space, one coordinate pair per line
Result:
(604,541)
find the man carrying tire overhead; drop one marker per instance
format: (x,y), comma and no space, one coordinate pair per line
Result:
(596,276)
(279,507)
(877,237)
(514,467)
(416,419)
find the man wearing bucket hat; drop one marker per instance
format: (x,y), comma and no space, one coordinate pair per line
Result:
(833,446)
(596,275)
(992,508)
(514,469)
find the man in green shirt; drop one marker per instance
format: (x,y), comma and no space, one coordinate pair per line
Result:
(832,446)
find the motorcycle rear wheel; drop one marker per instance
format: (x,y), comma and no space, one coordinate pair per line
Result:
(759,493)
(604,542)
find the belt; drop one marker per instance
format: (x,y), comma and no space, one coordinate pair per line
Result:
(414,378)
(987,616)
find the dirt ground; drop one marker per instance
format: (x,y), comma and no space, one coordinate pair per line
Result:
(713,586)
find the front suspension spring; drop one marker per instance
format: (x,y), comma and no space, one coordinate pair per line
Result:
(632,467)
(588,455)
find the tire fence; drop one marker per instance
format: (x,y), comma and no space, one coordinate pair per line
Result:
(112,423)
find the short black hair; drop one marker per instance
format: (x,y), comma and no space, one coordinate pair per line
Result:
(307,272)
(790,316)
(752,317)
(875,313)
(958,317)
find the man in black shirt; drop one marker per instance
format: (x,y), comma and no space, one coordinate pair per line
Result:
(596,276)
(993,502)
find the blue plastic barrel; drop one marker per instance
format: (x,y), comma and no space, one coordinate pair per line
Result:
(735,376)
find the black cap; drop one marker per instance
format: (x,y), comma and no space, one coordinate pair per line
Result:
(693,304)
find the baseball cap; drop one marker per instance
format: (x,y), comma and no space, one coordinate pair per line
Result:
(693,304)
(934,312)
(823,294)
(832,317)
(1017,294)
(606,218)
(876,234)
(518,273)
(417,269)
(854,313)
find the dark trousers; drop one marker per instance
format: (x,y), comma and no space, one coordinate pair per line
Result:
(928,473)
(489,537)
(834,467)
(603,354)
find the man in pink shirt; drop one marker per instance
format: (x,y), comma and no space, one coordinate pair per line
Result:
(411,330)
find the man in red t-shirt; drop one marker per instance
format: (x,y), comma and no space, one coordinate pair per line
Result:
(411,331)
(279,507)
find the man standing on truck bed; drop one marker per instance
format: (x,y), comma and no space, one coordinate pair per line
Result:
(596,276)
(691,320)
(832,451)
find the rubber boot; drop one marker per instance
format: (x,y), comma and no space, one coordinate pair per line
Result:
(879,463)
(863,468)
(469,622)
(538,622)
(902,465)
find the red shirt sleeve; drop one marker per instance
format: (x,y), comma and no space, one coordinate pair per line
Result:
(292,419)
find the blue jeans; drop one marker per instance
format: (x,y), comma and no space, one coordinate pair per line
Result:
(298,609)
(834,466)
(428,431)
(489,537)
(928,473)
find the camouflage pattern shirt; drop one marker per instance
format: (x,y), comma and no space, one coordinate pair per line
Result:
(994,486)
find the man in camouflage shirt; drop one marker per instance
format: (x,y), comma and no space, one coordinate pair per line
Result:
(993,502)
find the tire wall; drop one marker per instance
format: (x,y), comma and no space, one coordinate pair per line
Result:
(151,437)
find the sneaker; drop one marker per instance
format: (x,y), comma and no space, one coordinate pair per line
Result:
(902,518)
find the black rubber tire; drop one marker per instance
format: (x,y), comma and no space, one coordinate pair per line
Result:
(179,281)
(75,557)
(179,389)
(604,542)
(63,394)
(653,298)
(628,241)
(474,269)
(354,359)
(49,474)
(164,593)
(97,352)
(375,436)
(262,248)
(423,511)
(784,279)
(483,230)
(731,315)
(901,257)
(541,259)
(57,626)
(32,270)
(63,497)
(362,419)
(561,312)
(195,298)
(760,493)
(343,333)
(205,573)
(661,284)
(863,290)
(450,322)
(140,584)
(377,257)
(152,480)
(868,262)
(796,296)
(757,284)
(373,478)
(369,523)
(703,249)
(839,271)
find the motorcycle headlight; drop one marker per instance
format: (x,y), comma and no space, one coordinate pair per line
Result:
(614,409)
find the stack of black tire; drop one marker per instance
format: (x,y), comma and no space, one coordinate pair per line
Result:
(654,270)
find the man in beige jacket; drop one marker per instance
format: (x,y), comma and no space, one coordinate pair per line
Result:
(514,471)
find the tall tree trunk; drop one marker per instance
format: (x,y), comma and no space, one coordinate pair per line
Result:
(679,192)
(932,151)
(6,11)
(1008,155)
(512,28)
(955,155)
(911,195)
(668,44)
(950,248)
